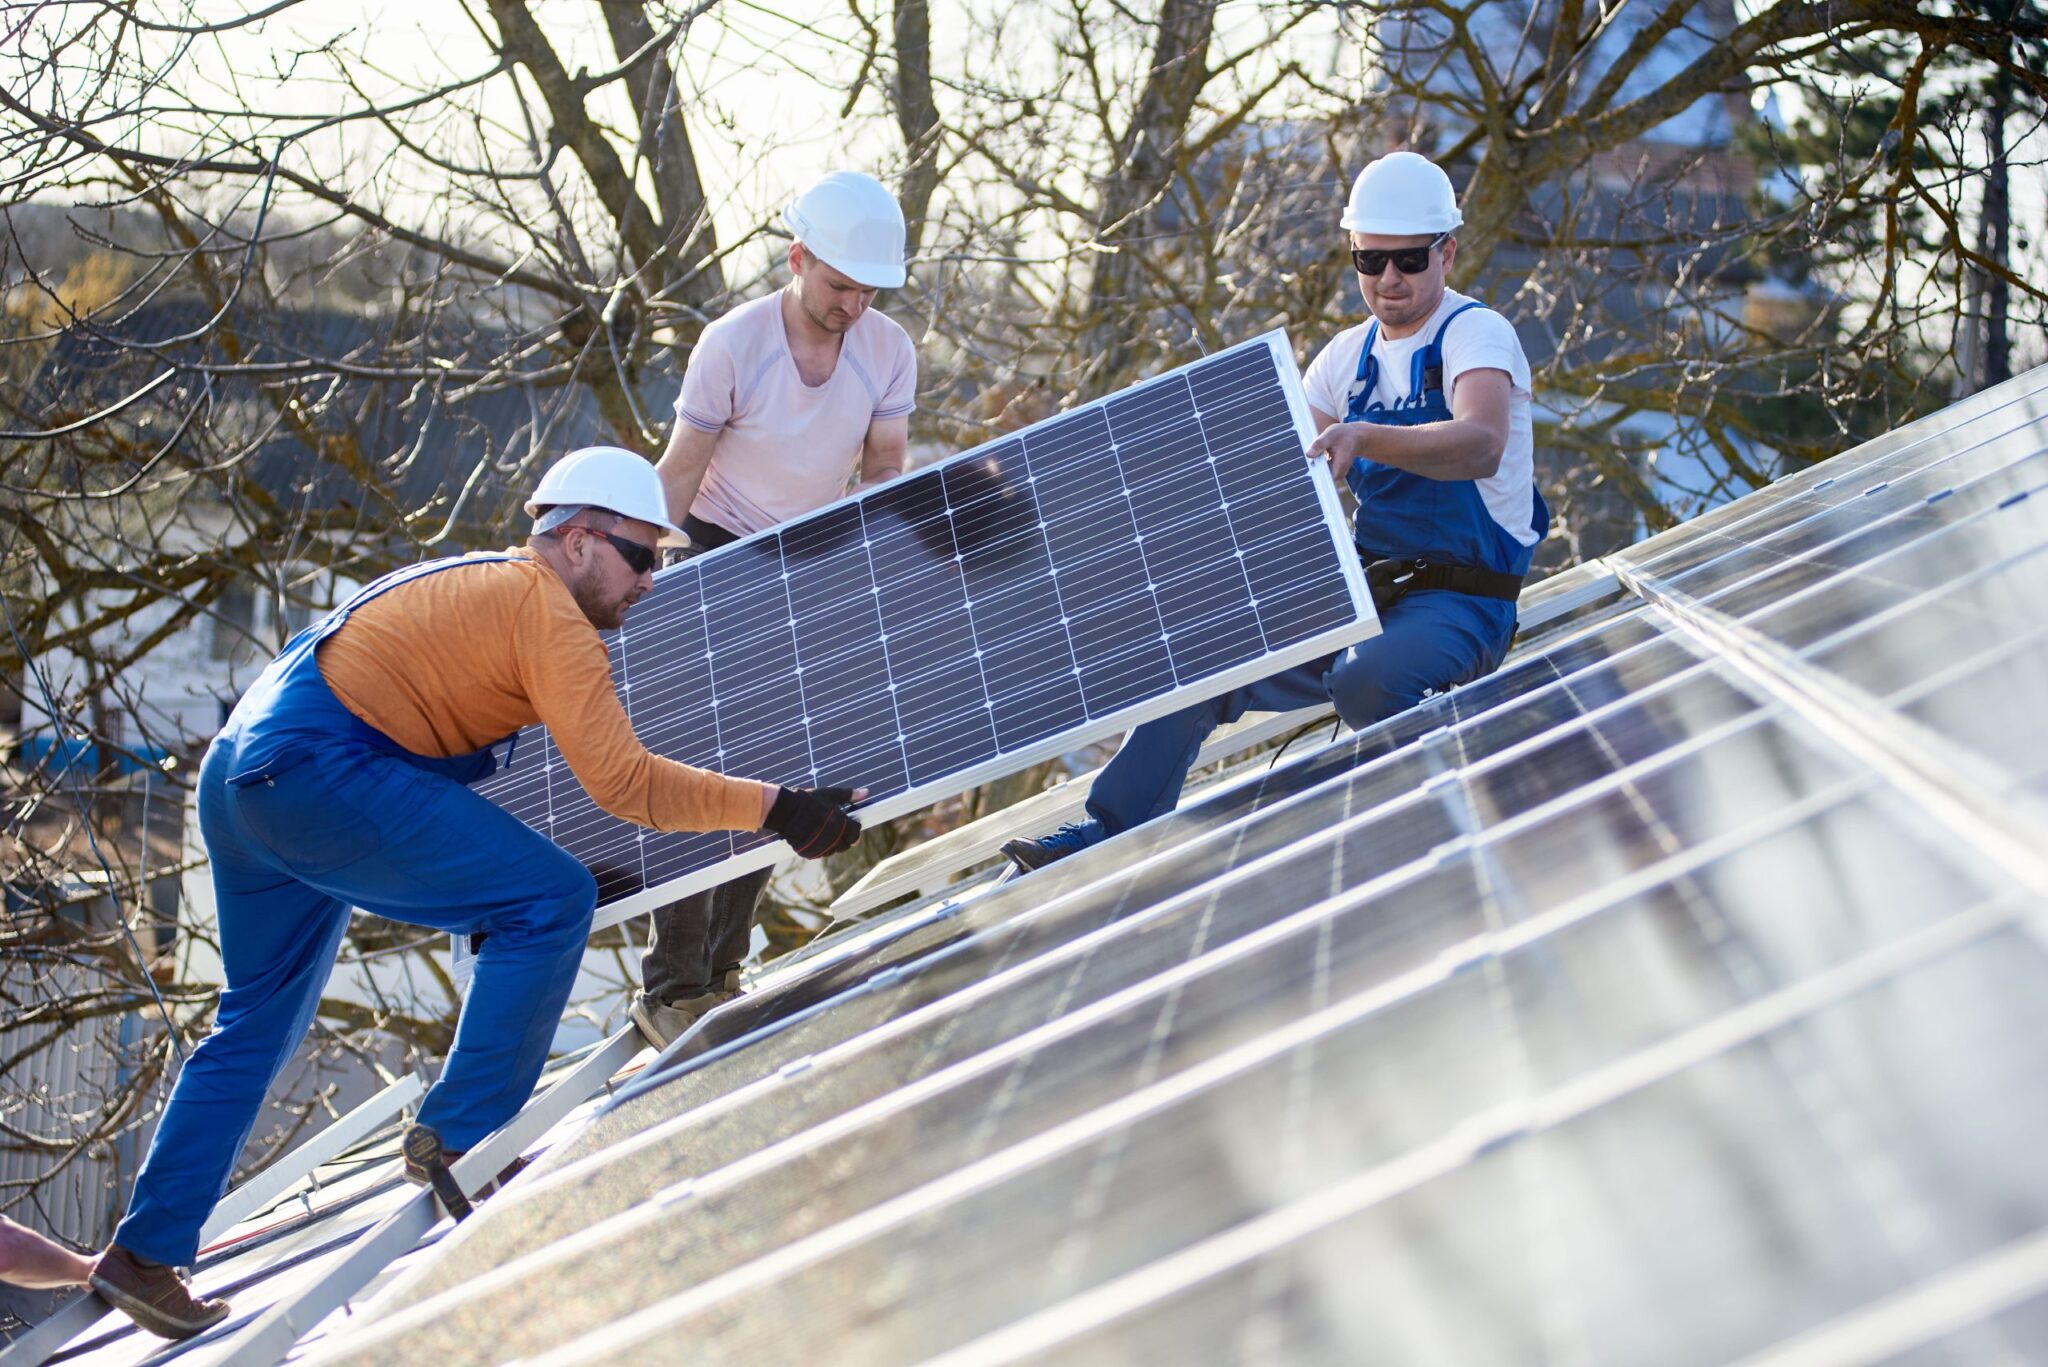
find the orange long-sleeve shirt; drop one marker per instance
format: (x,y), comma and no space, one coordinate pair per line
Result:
(454,661)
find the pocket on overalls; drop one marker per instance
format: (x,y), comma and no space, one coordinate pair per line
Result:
(1397,510)
(265,771)
(309,826)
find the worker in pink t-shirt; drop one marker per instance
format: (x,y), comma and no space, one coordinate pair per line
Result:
(786,399)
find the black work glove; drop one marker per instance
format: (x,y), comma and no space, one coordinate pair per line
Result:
(814,820)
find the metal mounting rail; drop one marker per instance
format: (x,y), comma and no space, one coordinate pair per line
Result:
(81,1313)
(274,1181)
(271,1335)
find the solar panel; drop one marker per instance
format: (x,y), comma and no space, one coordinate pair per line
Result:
(1986,587)
(1847,499)
(1219,993)
(1149,549)
(1198,903)
(1647,1221)
(1627,659)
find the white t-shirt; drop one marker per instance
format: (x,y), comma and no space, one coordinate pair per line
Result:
(1479,340)
(785,448)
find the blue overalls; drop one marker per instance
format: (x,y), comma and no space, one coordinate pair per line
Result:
(1429,641)
(307,811)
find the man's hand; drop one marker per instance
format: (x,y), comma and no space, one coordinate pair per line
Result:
(1341,443)
(814,820)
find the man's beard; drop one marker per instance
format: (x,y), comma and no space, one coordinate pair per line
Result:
(823,317)
(605,616)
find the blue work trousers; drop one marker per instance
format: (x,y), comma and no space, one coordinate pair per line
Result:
(1428,642)
(354,823)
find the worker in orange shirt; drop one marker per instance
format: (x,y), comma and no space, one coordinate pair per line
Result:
(341,780)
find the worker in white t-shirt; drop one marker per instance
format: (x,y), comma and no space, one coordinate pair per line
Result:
(1423,410)
(786,401)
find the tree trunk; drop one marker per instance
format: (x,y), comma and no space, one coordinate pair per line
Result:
(694,276)
(1140,174)
(917,114)
(1994,240)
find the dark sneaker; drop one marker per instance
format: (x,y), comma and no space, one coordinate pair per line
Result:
(661,1022)
(154,1295)
(1072,838)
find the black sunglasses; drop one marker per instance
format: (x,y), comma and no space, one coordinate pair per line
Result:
(639,559)
(1407,260)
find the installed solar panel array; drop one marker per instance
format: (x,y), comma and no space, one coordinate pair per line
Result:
(1677,994)
(1690,951)
(977,615)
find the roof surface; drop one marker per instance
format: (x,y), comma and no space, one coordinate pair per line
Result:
(1674,994)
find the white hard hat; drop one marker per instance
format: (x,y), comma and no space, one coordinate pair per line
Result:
(853,224)
(608,477)
(1402,194)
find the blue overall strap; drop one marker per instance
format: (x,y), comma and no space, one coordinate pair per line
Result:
(377,588)
(1426,369)
(290,705)
(406,574)
(1425,375)
(1367,378)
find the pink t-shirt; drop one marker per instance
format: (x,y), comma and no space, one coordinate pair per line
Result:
(785,448)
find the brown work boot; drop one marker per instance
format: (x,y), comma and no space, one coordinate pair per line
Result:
(661,1022)
(153,1294)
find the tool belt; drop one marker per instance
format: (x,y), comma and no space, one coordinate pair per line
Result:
(1392,580)
(707,536)
(704,536)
